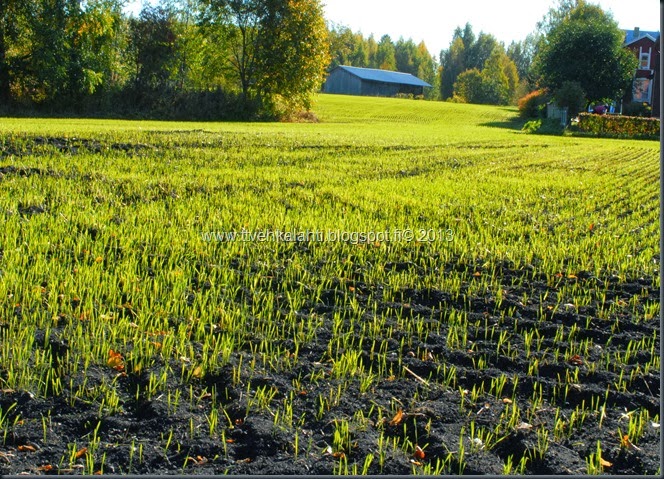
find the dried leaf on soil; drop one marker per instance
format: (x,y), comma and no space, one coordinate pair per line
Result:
(604,462)
(398,417)
(625,442)
(419,453)
(524,426)
(576,360)
(115,360)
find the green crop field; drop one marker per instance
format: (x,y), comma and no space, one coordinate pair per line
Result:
(403,287)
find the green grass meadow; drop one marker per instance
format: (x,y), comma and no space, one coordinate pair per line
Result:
(114,242)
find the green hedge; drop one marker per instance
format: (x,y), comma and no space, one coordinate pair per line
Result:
(619,126)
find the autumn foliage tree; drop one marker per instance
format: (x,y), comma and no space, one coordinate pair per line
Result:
(278,49)
(292,55)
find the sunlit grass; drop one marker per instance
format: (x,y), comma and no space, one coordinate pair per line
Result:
(106,244)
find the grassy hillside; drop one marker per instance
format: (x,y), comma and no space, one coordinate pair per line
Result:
(400,255)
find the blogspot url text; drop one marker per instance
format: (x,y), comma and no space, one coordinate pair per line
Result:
(420,235)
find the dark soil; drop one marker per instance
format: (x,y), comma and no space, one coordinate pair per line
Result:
(34,145)
(433,413)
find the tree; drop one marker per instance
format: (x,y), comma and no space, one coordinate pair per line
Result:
(453,63)
(240,23)
(586,47)
(102,42)
(342,46)
(427,70)
(465,53)
(556,15)
(154,40)
(570,95)
(466,35)
(48,59)
(292,54)
(372,52)
(279,49)
(469,87)
(385,55)
(496,84)
(509,69)
(360,55)
(405,53)
(489,76)
(522,54)
(480,51)
(14,38)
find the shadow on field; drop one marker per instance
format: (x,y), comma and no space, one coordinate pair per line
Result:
(515,124)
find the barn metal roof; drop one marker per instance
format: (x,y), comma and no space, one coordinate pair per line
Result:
(632,36)
(384,76)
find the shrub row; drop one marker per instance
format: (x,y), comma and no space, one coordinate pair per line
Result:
(409,96)
(623,126)
(164,103)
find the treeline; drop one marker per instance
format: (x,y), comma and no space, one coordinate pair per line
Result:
(353,49)
(216,59)
(474,69)
(478,70)
(253,59)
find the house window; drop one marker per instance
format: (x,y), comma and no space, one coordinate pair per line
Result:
(644,61)
(641,90)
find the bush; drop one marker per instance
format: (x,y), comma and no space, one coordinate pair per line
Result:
(543,127)
(455,98)
(532,126)
(303,116)
(570,95)
(533,104)
(469,87)
(619,126)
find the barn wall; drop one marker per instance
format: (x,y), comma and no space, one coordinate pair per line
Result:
(342,82)
(370,88)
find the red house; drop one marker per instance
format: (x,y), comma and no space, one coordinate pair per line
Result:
(645,88)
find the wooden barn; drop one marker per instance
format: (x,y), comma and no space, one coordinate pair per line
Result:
(369,82)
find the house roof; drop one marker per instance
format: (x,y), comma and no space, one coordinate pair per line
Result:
(630,36)
(384,76)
